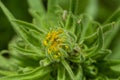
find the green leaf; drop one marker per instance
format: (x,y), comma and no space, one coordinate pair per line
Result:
(31,39)
(7,73)
(102,77)
(4,64)
(51,6)
(99,44)
(33,75)
(106,70)
(76,59)
(78,30)
(74,6)
(100,40)
(115,16)
(79,75)
(45,62)
(28,25)
(29,53)
(108,27)
(115,47)
(61,73)
(116,67)
(19,58)
(85,21)
(92,8)
(69,70)
(21,31)
(110,36)
(105,28)
(37,6)
(91,33)
(69,22)
(71,6)
(111,62)
(76,11)
(102,54)
(91,71)
(38,20)
(10,17)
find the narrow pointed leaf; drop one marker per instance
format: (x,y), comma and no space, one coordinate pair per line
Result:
(21,32)
(99,43)
(115,16)
(108,27)
(33,75)
(61,73)
(110,36)
(102,54)
(27,25)
(7,73)
(79,75)
(69,70)
(28,53)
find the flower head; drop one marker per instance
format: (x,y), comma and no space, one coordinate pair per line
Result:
(55,41)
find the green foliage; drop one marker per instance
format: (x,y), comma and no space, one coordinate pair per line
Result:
(60,44)
(6,30)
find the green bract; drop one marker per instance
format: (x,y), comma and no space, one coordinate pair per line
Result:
(59,45)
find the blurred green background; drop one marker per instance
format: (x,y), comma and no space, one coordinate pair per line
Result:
(19,8)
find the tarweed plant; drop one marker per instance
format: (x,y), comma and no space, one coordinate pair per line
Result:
(59,45)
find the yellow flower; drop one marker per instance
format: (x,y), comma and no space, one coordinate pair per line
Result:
(54,41)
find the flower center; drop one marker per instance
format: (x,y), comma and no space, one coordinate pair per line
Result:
(54,41)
